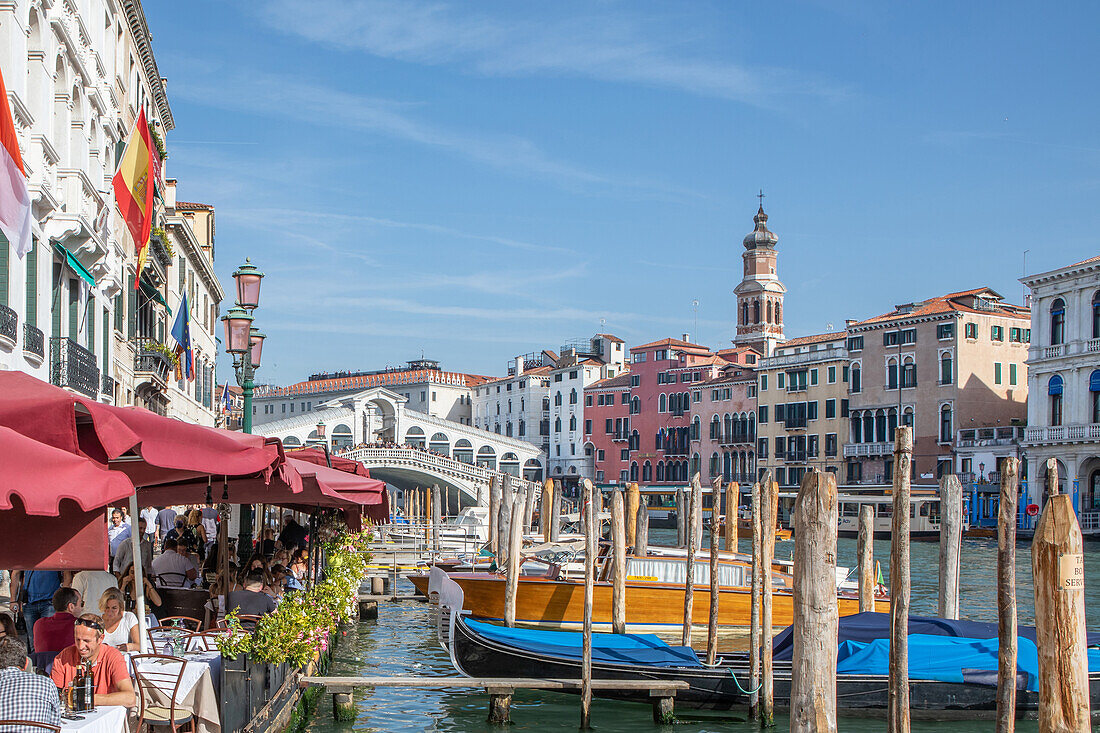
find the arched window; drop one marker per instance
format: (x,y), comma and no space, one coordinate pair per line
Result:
(695,428)
(857,428)
(572,396)
(945,424)
(1096,315)
(1094,392)
(647,472)
(727,467)
(880,426)
(662,404)
(752,427)
(892,421)
(634,471)
(744,313)
(756,311)
(714,467)
(660,471)
(947,371)
(715,428)
(1057,322)
(635,406)
(572,422)
(907,417)
(856,382)
(891,373)
(778,313)
(635,440)
(1054,390)
(695,464)
(727,428)
(868,427)
(557,398)
(769,318)
(557,424)
(909,373)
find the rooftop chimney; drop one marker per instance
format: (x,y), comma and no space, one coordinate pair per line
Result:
(685,338)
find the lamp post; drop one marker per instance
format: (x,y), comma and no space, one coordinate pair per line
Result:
(245,345)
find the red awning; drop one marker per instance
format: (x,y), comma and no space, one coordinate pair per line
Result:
(320,458)
(371,495)
(41,476)
(149,448)
(324,486)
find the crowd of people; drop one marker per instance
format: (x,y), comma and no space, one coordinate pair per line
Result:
(87,618)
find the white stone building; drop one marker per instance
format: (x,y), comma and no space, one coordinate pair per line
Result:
(77,75)
(581,363)
(1064,384)
(518,405)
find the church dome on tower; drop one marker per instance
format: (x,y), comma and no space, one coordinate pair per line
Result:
(760,236)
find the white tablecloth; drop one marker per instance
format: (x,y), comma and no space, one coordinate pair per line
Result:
(106,719)
(196,691)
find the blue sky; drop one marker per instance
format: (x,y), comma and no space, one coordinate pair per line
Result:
(477,180)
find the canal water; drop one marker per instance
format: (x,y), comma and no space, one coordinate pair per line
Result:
(402,642)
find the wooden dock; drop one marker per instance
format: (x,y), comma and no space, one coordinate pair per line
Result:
(499,689)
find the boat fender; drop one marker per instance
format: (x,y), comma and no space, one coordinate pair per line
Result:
(742,689)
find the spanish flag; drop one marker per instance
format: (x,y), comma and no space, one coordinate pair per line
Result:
(15,201)
(134,189)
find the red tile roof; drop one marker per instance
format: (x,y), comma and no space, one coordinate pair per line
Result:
(622,380)
(1085,262)
(670,342)
(611,337)
(950,303)
(192,206)
(817,338)
(384,379)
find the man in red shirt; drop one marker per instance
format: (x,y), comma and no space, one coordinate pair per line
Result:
(54,633)
(112,681)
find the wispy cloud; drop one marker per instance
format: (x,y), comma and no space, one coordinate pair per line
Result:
(598,44)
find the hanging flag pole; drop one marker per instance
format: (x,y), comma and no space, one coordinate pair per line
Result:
(15,200)
(181,332)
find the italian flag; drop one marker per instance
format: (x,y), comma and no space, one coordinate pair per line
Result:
(15,200)
(134,189)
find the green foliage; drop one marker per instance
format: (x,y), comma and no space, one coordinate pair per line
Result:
(162,235)
(161,349)
(304,620)
(158,142)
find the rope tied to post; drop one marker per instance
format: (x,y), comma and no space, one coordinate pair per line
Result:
(742,689)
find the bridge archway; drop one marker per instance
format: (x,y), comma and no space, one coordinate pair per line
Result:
(415,436)
(342,437)
(291,442)
(440,443)
(464,451)
(509,464)
(487,457)
(532,470)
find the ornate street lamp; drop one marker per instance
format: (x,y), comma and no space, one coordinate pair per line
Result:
(321,429)
(245,344)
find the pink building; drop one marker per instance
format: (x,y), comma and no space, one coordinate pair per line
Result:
(607,428)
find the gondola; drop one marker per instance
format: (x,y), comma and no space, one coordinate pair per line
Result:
(482,649)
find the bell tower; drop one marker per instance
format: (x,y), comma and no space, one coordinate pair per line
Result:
(760,294)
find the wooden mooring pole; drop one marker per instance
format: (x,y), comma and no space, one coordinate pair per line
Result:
(437,518)
(768,519)
(816,618)
(591,547)
(1006,597)
(513,559)
(555,512)
(641,533)
(507,501)
(494,517)
(712,619)
(681,517)
(897,713)
(618,563)
(693,508)
(950,544)
(866,553)
(754,612)
(545,503)
(1057,563)
(529,506)
(633,500)
(733,493)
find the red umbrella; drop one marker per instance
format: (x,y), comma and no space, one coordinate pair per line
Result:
(372,496)
(51,505)
(319,457)
(149,448)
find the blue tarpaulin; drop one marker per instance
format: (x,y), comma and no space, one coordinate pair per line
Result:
(946,659)
(618,648)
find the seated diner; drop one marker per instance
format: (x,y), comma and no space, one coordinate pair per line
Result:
(109,674)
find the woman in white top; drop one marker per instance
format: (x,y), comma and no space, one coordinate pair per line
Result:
(120,627)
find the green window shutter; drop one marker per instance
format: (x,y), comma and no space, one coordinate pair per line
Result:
(55,303)
(120,312)
(74,309)
(5,248)
(31,316)
(182,263)
(131,307)
(90,317)
(106,356)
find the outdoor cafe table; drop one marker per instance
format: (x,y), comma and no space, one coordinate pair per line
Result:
(197,690)
(105,719)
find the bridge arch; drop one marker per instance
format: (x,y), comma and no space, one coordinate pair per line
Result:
(487,457)
(415,436)
(291,441)
(509,464)
(440,443)
(342,437)
(464,451)
(532,470)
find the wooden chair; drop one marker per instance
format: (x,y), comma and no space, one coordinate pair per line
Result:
(171,580)
(188,622)
(153,683)
(4,725)
(157,644)
(248,623)
(204,641)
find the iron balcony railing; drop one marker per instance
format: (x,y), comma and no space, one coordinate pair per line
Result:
(108,387)
(73,366)
(9,323)
(34,341)
(150,360)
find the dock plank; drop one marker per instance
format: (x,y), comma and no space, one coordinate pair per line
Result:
(336,684)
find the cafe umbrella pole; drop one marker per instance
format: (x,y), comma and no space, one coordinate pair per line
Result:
(139,574)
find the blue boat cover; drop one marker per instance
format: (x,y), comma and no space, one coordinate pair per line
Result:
(644,649)
(947,659)
(867,627)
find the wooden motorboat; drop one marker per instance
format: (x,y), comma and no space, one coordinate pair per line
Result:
(654,595)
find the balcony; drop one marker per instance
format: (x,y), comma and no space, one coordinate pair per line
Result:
(34,343)
(9,322)
(73,366)
(153,362)
(1063,434)
(1053,352)
(620,437)
(989,436)
(867,450)
(736,438)
(797,456)
(1092,346)
(108,386)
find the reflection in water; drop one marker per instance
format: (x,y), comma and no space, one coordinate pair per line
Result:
(402,642)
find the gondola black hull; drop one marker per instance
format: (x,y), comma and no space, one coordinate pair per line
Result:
(726,686)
